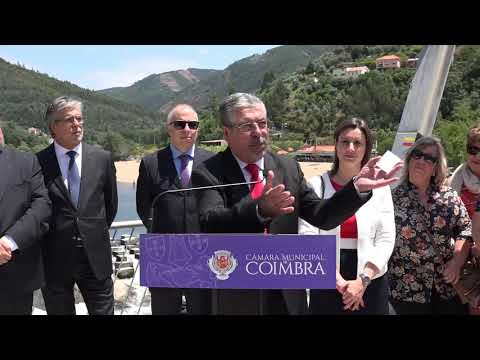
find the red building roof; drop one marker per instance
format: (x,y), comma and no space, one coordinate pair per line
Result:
(389,57)
(317,149)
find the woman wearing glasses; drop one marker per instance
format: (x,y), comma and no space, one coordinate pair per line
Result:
(433,232)
(365,241)
(466,179)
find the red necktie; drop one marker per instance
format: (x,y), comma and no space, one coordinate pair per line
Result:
(256,190)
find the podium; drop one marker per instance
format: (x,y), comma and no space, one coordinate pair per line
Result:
(252,274)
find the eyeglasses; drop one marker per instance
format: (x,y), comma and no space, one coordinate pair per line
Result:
(180,125)
(417,155)
(71,120)
(472,150)
(251,126)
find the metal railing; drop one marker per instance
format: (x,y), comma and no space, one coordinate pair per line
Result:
(116,225)
(132,225)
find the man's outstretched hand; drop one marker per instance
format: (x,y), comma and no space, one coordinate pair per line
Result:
(371,177)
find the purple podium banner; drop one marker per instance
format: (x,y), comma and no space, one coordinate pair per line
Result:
(237,261)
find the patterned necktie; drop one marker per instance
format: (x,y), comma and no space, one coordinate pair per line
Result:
(256,190)
(184,172)
(73,178)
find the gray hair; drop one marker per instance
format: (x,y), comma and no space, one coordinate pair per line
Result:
(58,105)
(233,102)
(441,169)
(175,108)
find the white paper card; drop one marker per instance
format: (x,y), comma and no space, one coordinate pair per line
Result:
(388,161)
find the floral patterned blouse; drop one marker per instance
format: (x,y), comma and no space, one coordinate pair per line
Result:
(415,267)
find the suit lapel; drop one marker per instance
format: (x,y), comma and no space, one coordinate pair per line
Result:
(4,165)
(270,164)
(167,166)
(87,168)
(55,174)
(198,158)
(233,174)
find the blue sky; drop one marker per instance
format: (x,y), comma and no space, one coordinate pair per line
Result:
(103,66)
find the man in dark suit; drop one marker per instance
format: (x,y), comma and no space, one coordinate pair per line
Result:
(272,205)
(81,182)
(170,169)
(25,211)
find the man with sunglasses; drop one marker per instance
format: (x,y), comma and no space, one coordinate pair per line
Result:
(169,169)
(274,204)
(82,184)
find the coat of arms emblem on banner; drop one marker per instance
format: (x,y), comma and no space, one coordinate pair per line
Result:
(222,263)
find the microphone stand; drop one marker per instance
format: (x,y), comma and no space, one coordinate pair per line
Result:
(154,202)
(151,227)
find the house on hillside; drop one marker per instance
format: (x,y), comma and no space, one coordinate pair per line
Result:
(320,153)
(388,62)
(353,72)
(220,142)
(412,63)
(343,65)
(34,131)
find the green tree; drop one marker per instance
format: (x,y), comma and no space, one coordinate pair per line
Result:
(117,145)
(453,132)
(268,78)
(310,68)
(385,139)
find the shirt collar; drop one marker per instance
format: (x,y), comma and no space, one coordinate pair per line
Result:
(176,153)
(242,164)
(60,150)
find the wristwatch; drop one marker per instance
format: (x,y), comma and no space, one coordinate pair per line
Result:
(365,279)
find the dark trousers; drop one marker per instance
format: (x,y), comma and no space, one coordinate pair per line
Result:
(16,304)
(98,294)
(436,306)
(168,301)
(250,302)
(329,302)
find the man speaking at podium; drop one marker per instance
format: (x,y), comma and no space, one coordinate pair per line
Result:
(272,205)
(169,169)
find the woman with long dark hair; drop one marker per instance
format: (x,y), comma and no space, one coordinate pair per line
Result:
(365,241)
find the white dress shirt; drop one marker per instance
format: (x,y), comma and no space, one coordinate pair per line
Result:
(246,173)
(176,158)
(63,160)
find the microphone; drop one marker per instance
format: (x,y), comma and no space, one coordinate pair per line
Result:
(155,200)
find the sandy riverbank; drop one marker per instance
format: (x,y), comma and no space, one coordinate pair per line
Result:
(127,171)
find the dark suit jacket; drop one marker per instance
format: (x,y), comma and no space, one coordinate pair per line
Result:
(25,210)
(177,212)
(232,210)
(97,207)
